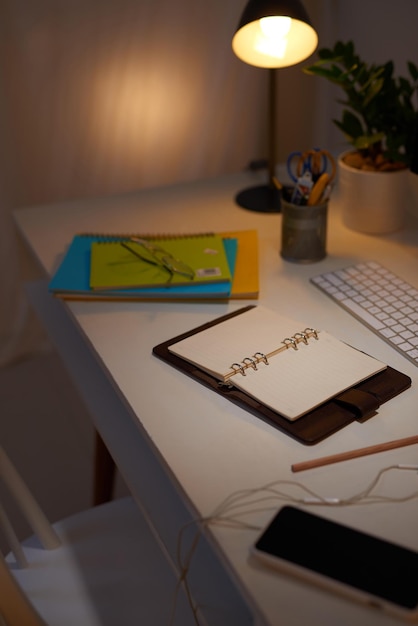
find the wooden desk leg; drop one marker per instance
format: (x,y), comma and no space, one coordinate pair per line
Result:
(104,472)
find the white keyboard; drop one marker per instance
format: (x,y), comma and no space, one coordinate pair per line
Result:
(382,301)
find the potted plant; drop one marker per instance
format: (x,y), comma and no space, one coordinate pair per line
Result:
(413,172)
(378,119)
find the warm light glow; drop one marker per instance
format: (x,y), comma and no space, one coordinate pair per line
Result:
(275,26)
(273,38)
(275,41)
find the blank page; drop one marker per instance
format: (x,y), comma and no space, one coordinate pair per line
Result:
(294,381)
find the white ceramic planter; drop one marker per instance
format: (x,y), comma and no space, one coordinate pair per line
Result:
(373,202)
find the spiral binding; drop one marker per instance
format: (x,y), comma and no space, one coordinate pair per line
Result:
(253,361)
(115,237)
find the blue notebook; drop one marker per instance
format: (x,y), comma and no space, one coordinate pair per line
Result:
(71,281)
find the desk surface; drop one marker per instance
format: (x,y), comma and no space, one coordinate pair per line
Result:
(210,447)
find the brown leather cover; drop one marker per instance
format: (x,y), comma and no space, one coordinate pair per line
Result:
(358,403)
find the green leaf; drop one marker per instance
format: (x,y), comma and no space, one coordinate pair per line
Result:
(374,88)
(351,124)
(363,142)
(319,67)
(325,53)
(352,69)
(413,70)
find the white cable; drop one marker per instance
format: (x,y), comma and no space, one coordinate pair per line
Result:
(262,499)
(321,501)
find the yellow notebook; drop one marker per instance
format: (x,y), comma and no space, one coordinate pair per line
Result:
(160,262)
(245,284)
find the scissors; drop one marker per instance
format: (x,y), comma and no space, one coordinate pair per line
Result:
(297,165)
(315,161)
(312,172)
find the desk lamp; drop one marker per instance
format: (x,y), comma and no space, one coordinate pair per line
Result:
(272,34)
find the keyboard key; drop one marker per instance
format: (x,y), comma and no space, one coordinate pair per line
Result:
(381,300)
(357,310)
(388,332)
(405,346)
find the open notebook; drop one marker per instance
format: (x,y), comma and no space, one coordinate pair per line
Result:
(303,379)
(280,362)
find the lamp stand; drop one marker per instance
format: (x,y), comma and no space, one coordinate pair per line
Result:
(265,198)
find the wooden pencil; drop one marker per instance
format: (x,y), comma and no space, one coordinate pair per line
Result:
(353,454)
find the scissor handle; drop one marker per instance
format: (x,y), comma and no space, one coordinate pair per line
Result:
(332,163)
(294,166)
(318,161)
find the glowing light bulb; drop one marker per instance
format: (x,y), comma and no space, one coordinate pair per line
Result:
(272,39)
(275,26)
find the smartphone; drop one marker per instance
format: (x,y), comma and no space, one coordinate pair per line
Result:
(337,557)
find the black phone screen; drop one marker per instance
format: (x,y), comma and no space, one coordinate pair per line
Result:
(359,560)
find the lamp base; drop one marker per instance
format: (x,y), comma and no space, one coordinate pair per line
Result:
(263,199)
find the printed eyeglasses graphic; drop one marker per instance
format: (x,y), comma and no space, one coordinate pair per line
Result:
(155,255)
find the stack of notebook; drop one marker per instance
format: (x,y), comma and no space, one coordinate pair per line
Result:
(203,266)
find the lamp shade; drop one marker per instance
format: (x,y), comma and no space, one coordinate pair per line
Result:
(274,33)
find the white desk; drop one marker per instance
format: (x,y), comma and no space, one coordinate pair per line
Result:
(182,448)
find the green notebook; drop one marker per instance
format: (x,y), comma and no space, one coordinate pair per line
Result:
(160,262)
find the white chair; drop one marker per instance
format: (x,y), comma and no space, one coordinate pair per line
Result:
(102,566)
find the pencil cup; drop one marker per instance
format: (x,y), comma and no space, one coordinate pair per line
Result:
(304,232)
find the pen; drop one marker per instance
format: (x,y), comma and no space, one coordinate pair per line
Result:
(353,454)
(318,189)
(276,182)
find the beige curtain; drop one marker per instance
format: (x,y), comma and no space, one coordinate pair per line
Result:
(102,97)
(106,95)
